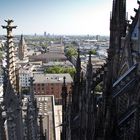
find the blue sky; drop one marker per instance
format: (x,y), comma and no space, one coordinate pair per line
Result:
(59,16)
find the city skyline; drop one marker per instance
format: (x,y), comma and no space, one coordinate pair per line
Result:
(69,17)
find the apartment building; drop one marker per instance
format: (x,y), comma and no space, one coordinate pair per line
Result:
(51,84)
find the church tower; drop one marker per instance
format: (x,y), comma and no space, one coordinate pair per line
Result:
(22,48)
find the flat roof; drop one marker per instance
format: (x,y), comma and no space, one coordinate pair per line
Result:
(45,104)
(49,55)
(52,78)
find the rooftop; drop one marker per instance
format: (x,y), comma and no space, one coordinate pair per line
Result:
(49,56)
(45,104)
(52,78)
(46,109)
(62,63)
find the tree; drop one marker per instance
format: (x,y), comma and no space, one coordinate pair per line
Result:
(74,43)
(71,52)
(60,69)
(99,88)
(25,91)
(70,70)
(94,52)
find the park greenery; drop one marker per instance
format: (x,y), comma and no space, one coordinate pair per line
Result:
(60,69)
(25,91)
(99,88)
(94,52)
(71,52)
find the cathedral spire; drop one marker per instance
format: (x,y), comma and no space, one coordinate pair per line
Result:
(77,83)
(64,107)
(76,93)
(78,66)
(2,129)
(31,89)
(89,76)
(119,15)
(10,56)
(117,31)
(89,66)
(11,102)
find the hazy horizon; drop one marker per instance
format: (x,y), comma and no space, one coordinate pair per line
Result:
(64,17)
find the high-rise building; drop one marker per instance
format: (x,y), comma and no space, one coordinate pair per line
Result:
(45,34)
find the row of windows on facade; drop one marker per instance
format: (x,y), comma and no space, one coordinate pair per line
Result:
(42,84)
(42,88)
